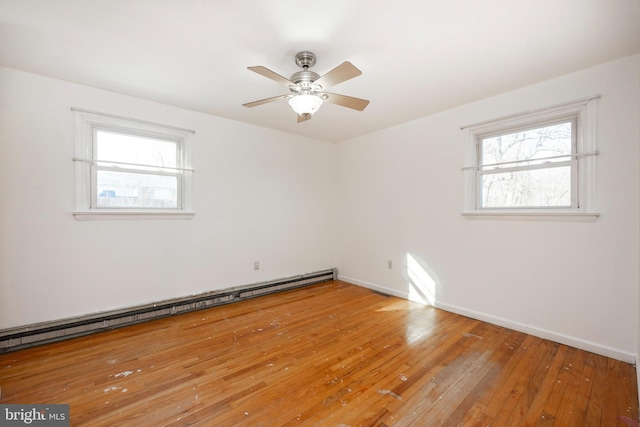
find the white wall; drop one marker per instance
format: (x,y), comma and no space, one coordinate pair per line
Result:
(259,195)
(401,192)
(262,195)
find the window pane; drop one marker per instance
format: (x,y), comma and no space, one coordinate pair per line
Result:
(118,147)
(550,187)
(547,141)
(136,190)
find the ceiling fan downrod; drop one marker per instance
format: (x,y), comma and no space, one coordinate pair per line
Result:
(305,78)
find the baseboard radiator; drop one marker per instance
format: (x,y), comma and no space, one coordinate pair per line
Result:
(47,332)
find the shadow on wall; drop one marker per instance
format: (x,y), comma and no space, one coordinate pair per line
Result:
(421,280)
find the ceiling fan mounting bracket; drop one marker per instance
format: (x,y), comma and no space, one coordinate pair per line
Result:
(305,59)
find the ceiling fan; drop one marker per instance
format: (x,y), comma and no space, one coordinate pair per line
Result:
(308,88)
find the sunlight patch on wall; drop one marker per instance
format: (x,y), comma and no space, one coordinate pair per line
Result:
(422,286)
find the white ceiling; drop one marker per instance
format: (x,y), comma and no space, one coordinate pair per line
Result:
(418,57)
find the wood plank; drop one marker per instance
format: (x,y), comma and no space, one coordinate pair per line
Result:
(327,354)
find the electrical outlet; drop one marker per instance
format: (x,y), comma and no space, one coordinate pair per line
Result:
(390,264)
(256,265)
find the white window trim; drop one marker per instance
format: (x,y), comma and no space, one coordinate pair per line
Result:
(585,112)
(86,122)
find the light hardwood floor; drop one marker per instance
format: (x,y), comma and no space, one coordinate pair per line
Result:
(332,354)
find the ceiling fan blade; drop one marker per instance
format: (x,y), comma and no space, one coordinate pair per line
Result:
(341,73)
(265,101)
(263,71)
(304,117)
(347,101)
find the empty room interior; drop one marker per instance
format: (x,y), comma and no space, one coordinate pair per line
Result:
(346,213)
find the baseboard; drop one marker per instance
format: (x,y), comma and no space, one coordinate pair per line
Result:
(532,330)
(637,375)
(46,332)
(374,287)
(542,333)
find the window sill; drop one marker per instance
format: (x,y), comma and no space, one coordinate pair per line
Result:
(103,215)
(533,216)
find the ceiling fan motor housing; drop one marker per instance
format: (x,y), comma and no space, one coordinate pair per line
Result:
(305,76)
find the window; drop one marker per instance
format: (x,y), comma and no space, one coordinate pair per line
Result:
(131,169)
(529,168)
(538,164)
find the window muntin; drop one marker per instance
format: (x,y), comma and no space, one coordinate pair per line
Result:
(533,167)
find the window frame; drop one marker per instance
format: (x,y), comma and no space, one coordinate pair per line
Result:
(582,162)
(88,124)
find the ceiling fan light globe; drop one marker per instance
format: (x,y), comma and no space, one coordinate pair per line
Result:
(305,104)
